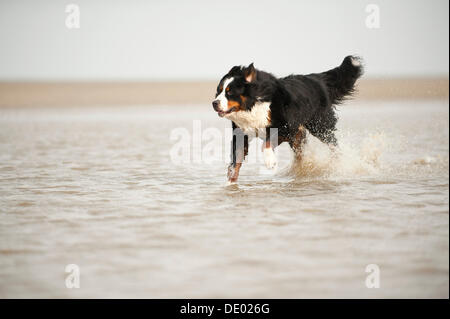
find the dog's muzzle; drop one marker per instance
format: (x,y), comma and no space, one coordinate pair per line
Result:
(216,105)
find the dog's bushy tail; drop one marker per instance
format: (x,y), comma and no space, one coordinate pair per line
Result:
(340,81)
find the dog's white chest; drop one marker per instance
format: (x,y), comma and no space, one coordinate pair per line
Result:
(257,117)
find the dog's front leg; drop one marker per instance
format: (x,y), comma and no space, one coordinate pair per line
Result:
(268,149)
(239,149)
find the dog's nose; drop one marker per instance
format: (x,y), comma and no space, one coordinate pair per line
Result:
(216,104)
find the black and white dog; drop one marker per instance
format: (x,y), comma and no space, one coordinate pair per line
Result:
(255,100)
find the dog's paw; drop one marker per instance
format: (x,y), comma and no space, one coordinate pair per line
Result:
(232,174)
(269,158)
(230,171)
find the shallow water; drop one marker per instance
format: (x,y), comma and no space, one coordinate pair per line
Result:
(97,187)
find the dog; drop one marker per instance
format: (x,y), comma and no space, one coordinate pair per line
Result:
(256,101)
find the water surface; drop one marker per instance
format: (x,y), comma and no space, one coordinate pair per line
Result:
(97,187)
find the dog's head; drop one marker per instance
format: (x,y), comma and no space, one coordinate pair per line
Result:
(233,92)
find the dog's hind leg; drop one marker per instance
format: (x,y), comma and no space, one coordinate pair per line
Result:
(297,141)
(328,138)
(324,126)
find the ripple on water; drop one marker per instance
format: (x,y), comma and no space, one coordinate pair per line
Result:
(103,193)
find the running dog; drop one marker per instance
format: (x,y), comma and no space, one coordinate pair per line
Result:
(254,100)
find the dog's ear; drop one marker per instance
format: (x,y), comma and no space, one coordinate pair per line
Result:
(250,73)
(234,70)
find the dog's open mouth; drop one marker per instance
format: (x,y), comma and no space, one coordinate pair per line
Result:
(223,113)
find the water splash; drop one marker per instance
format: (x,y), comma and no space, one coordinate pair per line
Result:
(349,159)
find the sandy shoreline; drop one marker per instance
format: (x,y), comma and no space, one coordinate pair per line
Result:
(31,94)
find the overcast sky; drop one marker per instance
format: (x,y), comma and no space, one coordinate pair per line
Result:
(178,40)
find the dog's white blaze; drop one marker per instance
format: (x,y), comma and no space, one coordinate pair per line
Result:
(257,117)
(222,98)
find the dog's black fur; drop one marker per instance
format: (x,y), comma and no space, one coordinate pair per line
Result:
(297,101)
